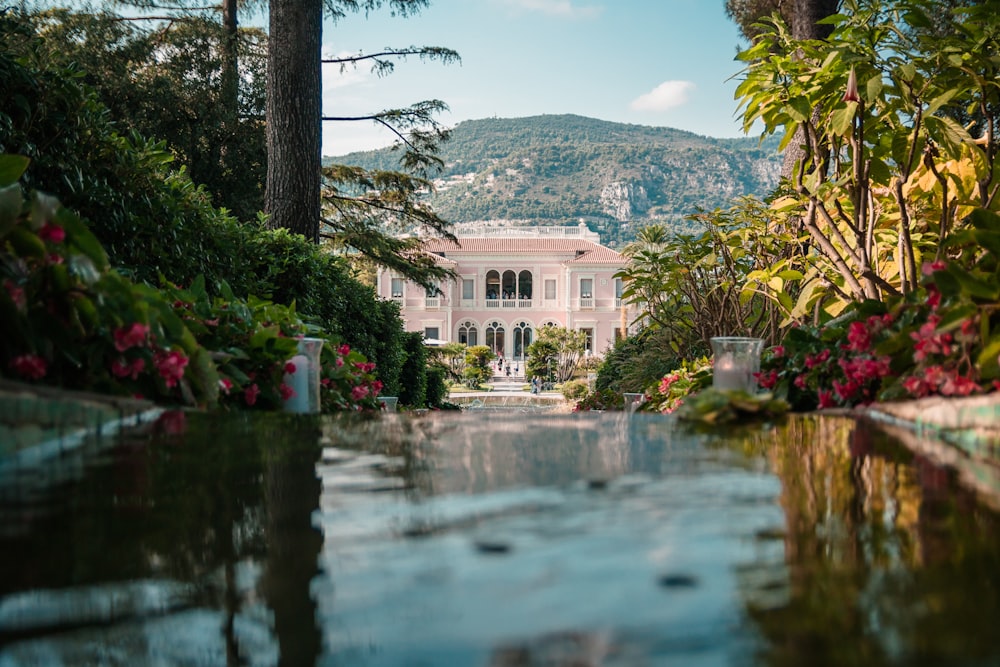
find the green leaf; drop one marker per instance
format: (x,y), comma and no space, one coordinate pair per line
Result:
(842,119)
(11,203)
(987,361)
(11,168)
(973,285)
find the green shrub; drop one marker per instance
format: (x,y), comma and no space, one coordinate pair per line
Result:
(574,389)
(413,380)
(437,389)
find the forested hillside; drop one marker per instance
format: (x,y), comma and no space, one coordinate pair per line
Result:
(559,169)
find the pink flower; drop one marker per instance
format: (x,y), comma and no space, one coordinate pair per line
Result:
(933,297)
(928,268)
(122,368)
(767,379)
(851,93)
(359,392)
(29,366)
(51,232)
(286,391)
(54,258)
(251,393)
(814,360)
(916,386)
(16,294)
(826,399)
(133,335)
(170,366)
(958,385)
(344,350)
(800,381)
(225,384)
(858,337)
(778,351)
(365,366)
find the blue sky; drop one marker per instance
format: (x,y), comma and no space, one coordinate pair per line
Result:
(649,62)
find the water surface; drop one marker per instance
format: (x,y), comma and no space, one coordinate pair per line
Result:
(496,539)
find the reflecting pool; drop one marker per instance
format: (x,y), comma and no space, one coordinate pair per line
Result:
(496,539)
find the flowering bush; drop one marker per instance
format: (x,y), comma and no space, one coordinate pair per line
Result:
(937,341)
(68,319)
(604,399)
(690,378)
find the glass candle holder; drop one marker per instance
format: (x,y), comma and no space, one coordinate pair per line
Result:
(304,381)
(737,361)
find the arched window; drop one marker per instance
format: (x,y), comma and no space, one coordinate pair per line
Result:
(495,337)
(468,333)
(493,285)
(522,339)
(509,285)
(524,285)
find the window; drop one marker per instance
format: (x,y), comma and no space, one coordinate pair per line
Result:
(468,333)
(431,332)
(618,288)
(397,288)
(468,289)
(586,288)
(550,290)
(588,344)
(495,337)
(522,339)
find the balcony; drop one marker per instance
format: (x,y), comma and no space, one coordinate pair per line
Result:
(587,303)
(432,302)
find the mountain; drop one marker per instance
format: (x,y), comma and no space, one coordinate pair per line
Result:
(564,169)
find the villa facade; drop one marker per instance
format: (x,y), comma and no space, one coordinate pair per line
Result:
(512,282)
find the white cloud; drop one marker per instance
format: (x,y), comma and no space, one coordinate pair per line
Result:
(667,95)
(564,8)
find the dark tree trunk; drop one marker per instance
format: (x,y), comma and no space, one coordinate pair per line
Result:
(804,24)
(294,92)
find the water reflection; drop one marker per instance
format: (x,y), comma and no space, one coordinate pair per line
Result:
(499,540)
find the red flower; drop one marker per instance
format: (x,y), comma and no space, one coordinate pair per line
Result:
(826,399)
(51,232)
(858,337)
(916,386)
(958,385)
(933,297)
(16,294)
(29,366)
(170,366)
(800,381)
(344,350)
(290,368)
(251,394)
(359,392)
(133,335)
(851,93)
(122,368)
(927,268)
(778,351)
(286,391)
(768,379)
(225,384)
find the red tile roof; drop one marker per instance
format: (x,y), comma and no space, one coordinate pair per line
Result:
(591,252)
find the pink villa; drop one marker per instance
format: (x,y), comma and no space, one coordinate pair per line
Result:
(513,281)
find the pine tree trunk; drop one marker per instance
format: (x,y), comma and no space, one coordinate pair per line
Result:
(294,92)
